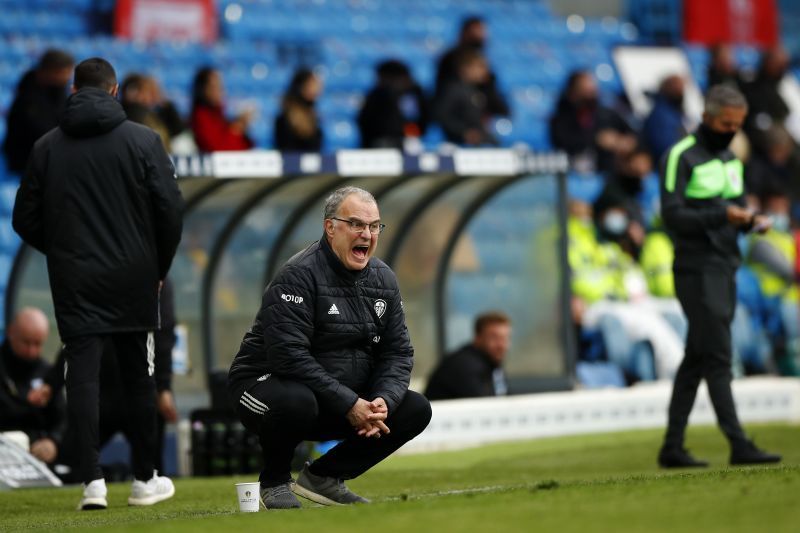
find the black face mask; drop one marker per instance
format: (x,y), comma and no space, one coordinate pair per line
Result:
(587,103)
(716,140)
(675,101)
(476,44)
(631,184)
(55,93)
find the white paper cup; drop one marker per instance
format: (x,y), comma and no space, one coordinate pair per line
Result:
(248,497)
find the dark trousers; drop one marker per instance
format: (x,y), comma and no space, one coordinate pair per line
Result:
(709,301)
(114,418)
(284,413)
(134,352)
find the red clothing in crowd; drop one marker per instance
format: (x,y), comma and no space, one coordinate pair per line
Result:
(213,132)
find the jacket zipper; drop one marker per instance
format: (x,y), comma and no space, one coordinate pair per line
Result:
(361,316)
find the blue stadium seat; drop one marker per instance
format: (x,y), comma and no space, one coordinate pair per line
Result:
(599,375)
(6,262)
(8,194)
(585,187)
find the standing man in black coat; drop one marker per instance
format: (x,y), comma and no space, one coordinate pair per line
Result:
(328,357)
(704,210)
(99,199)
(475,370)
(37,106)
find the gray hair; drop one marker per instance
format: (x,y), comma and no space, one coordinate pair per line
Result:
(336,198)
(721,96)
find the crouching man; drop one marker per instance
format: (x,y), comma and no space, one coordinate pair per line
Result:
(329,357)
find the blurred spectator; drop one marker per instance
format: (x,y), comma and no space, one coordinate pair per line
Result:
(779,164)
(166,110)
(767,109)
(462,110)
(631,172)
(624,190)
(722,68)
(610,294)
(394,110)
(138,101)
(297,127)
(37,106)
(666,123)
(212,131)
(589,132)
(656,258)
(476,369)
(472,38)
(22,369)
(772,257)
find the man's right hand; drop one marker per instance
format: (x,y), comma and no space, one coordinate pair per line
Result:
(739,216)
(366,420)
(40,396)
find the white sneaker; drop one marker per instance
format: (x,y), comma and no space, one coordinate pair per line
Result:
(156,489)
(94,496)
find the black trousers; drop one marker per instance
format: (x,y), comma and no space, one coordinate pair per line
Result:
(134,352)
(114,418)
(284,413)
(709,301)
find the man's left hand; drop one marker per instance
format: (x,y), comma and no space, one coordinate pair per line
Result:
(378,405)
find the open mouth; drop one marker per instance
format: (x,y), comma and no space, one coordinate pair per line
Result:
(360,251)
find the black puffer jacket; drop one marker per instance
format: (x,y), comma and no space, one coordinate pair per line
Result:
(99,198)
(340,332)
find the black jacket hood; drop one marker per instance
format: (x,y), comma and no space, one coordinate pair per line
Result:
(91,112)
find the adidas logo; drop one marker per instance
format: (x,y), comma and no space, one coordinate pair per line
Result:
(333,310)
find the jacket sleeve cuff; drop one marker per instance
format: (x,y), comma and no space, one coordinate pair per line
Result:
(163,384)
(723,215)
(345,400)
(391,401)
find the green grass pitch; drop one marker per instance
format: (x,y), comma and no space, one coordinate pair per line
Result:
(603,482)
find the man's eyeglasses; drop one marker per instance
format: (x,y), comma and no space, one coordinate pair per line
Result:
(358,226)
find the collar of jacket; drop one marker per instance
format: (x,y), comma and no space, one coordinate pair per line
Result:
(90,112)
(337,265)
(485,357)
(702,140)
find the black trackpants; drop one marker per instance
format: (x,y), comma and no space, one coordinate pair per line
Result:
(134,352)
(709,300)
(284,413)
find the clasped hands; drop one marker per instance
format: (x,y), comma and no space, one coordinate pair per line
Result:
(368,418)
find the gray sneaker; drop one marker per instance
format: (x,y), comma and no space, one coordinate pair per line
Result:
(279,497)
(325,490)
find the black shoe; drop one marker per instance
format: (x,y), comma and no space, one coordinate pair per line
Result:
(749,454)
(678,458)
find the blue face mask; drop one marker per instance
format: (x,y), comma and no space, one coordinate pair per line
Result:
(780,222)
(615,223)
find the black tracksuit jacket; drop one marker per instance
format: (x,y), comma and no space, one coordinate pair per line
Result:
(342,333)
